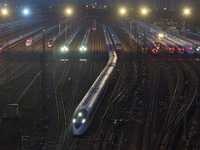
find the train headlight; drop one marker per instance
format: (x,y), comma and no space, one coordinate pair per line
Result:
(64,49)
(80,114)
(74,120)
(83,48)
(83,120)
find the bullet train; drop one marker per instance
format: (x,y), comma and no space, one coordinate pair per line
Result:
(39,36)
(67,44)
(94,26)
(117,43)
(12,41)
(83,46)
(179,42)
(152,48)
(144,49)
(29,42)
(52,40)
(87,108)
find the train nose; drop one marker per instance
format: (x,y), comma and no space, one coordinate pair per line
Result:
(77,124)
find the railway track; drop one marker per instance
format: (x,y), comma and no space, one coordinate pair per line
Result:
(97,50)
(150,99)
(176,111)
(71,101)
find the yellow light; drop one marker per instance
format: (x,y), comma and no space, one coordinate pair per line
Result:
(160,35)
(186,11)
(4,12)
(144,11)
(68,11)
(122,11)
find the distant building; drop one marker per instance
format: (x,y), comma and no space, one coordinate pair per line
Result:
(159,4)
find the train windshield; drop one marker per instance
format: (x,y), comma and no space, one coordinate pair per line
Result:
(118,46)
(50,42)
(171,48)
(180,48)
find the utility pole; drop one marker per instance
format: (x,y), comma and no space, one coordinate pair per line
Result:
(43,76)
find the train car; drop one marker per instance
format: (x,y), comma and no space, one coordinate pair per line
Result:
(116,42)
(83,46)
(189,49)
(179,49)
(168,47)
(144,49)
(192,35)
(94,27)
(39,36)
(157,44)
(50,43)
(153,49)
(118,47)
(52,40)
(87,108)
(65,47)
(29,42)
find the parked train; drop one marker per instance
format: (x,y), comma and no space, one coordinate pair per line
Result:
(83,46)
(117,43)
(87,108)
(179,42)
(12,41)
(29,42)
(39,36)
(67,44)
(94,26)
(52,40)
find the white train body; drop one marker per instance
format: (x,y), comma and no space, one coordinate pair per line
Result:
(176,40)
(83,46)
(12,41)
(153,49)
(39,36)
(29,42)
(52,40)
(85,111)
(65,47)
